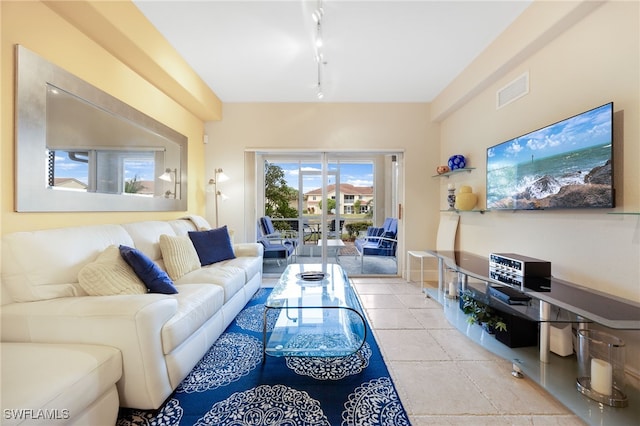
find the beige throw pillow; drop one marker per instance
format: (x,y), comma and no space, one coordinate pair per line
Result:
(109,275)
(179,255)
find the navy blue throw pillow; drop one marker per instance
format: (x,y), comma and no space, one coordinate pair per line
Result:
(213,245)
(156,280)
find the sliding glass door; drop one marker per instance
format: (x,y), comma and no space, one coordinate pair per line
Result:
(327,201)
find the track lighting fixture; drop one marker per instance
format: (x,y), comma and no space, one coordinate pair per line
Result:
(318,16)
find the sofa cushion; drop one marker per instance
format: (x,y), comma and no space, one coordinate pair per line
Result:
(197,303)
(146,236)
(179,255)
(182,226)
(44,264)
(110,275)
(154,278)
(63,377)
(230,278)
(252,266)
(213,245)
(199,222)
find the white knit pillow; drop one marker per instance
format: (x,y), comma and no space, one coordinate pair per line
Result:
(179,255)
(109,275)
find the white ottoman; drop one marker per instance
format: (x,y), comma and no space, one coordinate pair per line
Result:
(59,383)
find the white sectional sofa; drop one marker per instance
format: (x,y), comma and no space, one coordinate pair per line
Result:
(160,336)
(47,383)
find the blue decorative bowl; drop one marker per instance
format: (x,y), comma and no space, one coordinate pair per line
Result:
(457,162)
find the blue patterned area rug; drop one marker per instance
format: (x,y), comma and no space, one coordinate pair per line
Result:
(231,385)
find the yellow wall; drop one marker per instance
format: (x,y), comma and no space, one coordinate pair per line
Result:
(42,30)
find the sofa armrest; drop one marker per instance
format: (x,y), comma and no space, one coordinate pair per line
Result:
(130,323)
(248,249)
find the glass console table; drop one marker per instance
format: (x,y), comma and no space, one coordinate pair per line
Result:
(580,303)
(552,300)
(319,317)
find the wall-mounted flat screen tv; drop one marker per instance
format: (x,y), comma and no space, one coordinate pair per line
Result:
(566,165)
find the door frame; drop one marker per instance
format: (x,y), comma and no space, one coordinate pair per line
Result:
(388,184)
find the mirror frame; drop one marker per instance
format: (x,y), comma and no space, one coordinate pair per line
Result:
(33,74)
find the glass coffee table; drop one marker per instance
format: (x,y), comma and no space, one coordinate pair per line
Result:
(319,314)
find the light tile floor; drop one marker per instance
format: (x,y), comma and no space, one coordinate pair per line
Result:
(442,377)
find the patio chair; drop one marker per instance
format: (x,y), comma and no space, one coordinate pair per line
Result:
(310,232)
(276,247)
(379,241)
(267,230)
(335,231)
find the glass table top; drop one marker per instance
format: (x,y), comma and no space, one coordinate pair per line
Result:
(333,290)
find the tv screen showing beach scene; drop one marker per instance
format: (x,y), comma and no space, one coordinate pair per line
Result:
(568,164)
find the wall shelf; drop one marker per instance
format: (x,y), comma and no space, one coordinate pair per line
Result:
(481,211)
(626,213)
(453,172)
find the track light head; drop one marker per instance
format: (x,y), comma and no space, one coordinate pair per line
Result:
(317,15)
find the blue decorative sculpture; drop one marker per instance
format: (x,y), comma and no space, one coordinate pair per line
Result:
(457,162)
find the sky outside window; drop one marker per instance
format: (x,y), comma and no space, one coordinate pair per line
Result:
(356,174)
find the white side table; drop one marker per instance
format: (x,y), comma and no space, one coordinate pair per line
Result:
(421,255)
(333,247)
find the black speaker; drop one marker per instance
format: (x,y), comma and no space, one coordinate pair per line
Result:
(520,332)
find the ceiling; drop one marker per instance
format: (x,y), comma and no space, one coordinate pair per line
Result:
(374,51)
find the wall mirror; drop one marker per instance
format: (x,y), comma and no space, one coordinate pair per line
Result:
(80,149)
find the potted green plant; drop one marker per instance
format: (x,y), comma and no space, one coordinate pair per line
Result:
(481,313)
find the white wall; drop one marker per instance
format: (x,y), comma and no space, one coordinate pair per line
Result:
(579,62)
(403,127)
(593,62)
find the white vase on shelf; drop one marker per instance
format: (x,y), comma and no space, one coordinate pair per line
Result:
(451,197)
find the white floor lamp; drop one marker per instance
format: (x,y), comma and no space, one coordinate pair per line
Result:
(218,176)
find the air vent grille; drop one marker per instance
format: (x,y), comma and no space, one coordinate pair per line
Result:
(513,91)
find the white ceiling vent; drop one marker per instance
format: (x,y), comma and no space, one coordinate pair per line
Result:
(512,91)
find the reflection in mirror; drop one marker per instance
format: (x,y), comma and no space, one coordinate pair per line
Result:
(106,171)
(98,154)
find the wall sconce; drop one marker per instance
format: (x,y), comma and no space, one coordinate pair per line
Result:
(218,177)
(167,177)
